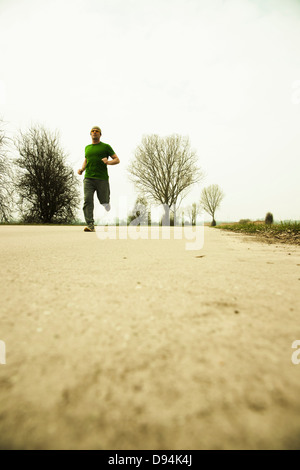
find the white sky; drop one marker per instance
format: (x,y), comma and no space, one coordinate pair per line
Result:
(225,73)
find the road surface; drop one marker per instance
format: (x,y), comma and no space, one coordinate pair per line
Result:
(142,344)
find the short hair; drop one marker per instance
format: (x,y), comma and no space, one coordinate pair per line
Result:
(98,129)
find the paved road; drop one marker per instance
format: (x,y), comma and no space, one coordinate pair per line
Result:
(142,344)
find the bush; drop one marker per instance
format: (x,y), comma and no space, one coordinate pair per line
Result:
(269,218)
(244,221)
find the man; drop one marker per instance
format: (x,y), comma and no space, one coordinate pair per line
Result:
(96,176)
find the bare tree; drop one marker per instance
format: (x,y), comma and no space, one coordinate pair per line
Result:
(211,198)
(6,192)
(140,214)
(164,169)
(47,186)
(192,213)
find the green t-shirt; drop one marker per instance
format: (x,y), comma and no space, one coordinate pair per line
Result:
(95,168)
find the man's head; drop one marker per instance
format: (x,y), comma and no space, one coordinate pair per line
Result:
(96,134)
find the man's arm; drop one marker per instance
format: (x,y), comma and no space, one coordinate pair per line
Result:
(115,160)
(83,167)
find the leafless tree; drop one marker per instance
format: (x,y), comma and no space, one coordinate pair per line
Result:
(192,212)
(164,169)
(46,185)
(6,192)
(140,214)
(210,201)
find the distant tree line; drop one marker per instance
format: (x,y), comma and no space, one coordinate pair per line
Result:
(41,187)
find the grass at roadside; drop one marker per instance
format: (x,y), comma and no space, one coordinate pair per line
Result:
(283,232)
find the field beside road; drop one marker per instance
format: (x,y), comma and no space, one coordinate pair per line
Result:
(283,232)
(142,344)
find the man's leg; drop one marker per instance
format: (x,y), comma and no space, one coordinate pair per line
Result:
(88,205)
(103,193)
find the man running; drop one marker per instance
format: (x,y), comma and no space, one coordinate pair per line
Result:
(96,176)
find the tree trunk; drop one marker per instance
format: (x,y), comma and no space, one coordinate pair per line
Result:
(166,217)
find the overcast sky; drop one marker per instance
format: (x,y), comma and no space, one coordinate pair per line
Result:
(225,73)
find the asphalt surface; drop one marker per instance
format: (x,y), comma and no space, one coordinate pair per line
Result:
(123,343)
